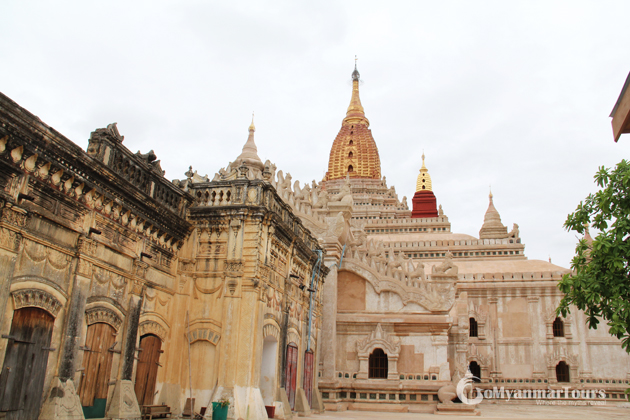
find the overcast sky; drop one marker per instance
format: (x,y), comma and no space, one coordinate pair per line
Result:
(510,94)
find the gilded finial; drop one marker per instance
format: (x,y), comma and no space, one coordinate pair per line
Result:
(355,73)
(490,195)
(252,127)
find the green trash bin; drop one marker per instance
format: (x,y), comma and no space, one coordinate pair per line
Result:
(219,412)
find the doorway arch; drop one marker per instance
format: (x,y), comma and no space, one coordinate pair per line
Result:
(25,362)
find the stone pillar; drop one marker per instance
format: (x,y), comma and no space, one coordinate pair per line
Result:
(329,321)
(392,367)
(493,313)
(124,404)
(13,219)
(63,401)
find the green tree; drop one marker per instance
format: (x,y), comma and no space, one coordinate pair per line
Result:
(600,282)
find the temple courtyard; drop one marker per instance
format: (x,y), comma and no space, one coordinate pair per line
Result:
(496,411)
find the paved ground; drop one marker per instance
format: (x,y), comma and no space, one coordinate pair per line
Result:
(611,411)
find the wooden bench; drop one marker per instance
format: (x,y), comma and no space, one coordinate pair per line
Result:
(150,412)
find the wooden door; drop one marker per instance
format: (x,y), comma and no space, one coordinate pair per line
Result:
(25,362)
(97,366)
(308,376)
(146,373)
(291,373)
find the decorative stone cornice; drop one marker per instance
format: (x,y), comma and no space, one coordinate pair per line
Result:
(561,354)
(205,334)
(36,298)
(109,178)
(107,316)
(152,327)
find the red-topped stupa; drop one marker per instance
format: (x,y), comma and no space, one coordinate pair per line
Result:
(424,202)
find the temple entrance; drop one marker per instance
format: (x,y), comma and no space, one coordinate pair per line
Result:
(475,370)
(268,369)
(308,376)
(25,362)
(97,366)
(291,373)
(146,373)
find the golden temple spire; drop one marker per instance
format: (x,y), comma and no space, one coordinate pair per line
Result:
(252,127)
(355,109)
(354,152)
(424,179)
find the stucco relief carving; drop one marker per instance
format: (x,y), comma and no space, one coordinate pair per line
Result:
(273,299)
(152,327)
(9,239)
(561,354)
(233,268)
(107,283)
(107,316)
(38,253)
(87,246)
(379,339)
(447,267)
(550,316)
(390,344)
(271,330)
(14,216)
(36,298)
(477,312)
(434,294)
(140,268)
(204,334)
(386,262)
(473,354)
(153,298)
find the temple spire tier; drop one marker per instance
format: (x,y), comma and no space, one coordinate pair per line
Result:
(424,201)
(492,227)
(354,152)
(249,156)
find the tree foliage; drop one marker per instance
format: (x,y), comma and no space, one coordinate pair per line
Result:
(600,282)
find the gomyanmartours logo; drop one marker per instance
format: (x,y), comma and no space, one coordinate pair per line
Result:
(466,393)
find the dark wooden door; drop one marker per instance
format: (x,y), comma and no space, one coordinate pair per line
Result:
(146,373)
(25,362)
(308,376)
(97,365)
(291,373)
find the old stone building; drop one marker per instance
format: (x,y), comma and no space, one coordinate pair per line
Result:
(122,289)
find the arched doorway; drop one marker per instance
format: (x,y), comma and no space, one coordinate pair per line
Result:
(146,373)
(25,362)
(268,369)
(97,366)
(291,373)
(378,365)
(475,369)
(562,372)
